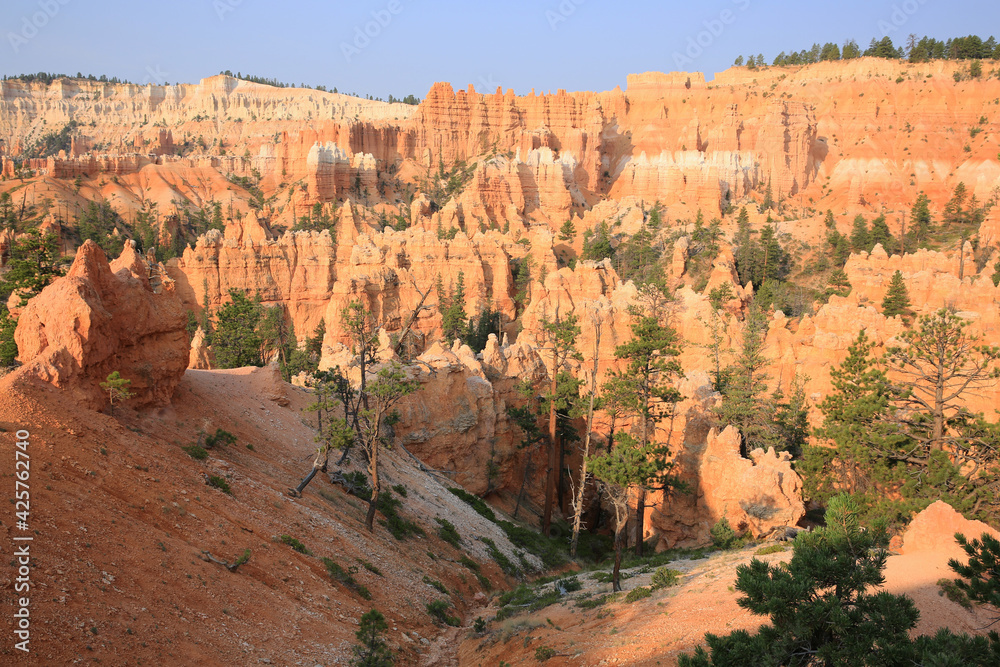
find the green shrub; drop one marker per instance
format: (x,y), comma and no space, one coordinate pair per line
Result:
(435,584)
(477,570)
(569,584)
(664,577)
(476,502)
(772,549)
(295,544)
(399,527)
(196,452)
(438,609)
(950,590)
(220,483)
(638,594)
(550,550)
(357,485)
(479,625)
(220,437)
(543,653)
(506,564)
(606,577)
(544,600)
(371,568)
(723,535)
(337,573)
(448,533)
(399,489)
(591,603)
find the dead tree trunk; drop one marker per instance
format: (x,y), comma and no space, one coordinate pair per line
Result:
(582,483)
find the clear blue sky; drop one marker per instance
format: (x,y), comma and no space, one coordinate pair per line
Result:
(547,44)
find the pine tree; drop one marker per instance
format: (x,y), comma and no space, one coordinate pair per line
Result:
(857,423)
(982,570)
(921,223)
(651,368)
(859,235)
(900,426)
(568,231)
(629,465)
(897,299)
(372,651)
(236,341)
(117,388)
(597,245)
(453,322)
(32,265)
(558,338)
(821,606)
(744,399)
(838,284)
(374,397)
(880,234)
(955,212)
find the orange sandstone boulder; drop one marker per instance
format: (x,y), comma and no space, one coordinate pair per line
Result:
(934,529)
(101,318)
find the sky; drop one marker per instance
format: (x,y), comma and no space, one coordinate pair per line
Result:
(401,47)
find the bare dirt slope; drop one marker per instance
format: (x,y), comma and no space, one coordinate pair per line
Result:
(121,516)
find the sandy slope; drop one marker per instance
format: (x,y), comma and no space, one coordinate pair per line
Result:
(121,515)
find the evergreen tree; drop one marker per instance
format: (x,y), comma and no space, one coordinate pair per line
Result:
(897,299)
(982,572)
(375,397)
(823,610)
(880,234)
(859,235)
(478,330)
(638,260)
(850,50)
(838,244)
(776,261)
(838,284)
(651,367)
(236,341)
(98,223)
(744,399)
(900,426)
(314,345)
(568,231)
(558,338)
(857,422)
(372,651)
(597,244)
(454,319)
(117,389)
(955,212)
(521,270)
(629,465)
(768,202)
(31,266)
(921,223)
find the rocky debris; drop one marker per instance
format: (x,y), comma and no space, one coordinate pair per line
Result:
(104,317)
